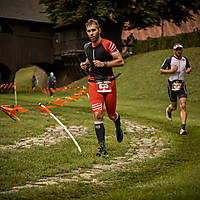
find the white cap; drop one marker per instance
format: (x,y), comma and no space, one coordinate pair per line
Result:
(177,46)
(51,73)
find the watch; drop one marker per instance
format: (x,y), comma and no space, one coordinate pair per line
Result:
(105,64)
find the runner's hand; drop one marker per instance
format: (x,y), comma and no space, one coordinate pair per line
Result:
(188,70)
(98,63)
(175,68)
(83,65)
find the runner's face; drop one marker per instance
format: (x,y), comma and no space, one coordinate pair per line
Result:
(92,32)
(178,52)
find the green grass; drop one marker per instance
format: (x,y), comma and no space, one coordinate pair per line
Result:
(142,98)
(24,76)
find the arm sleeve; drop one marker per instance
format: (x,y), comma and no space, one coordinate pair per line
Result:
(112,48)
(85,48)
(187,63)
(166,63)
(109,46)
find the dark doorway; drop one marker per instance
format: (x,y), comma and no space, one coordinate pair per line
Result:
(5,74)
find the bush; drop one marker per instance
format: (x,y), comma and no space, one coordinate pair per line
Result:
(186,39)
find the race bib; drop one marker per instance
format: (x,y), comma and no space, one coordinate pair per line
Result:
(176,86)
(104,86)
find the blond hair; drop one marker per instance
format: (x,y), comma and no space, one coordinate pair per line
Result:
(91,22)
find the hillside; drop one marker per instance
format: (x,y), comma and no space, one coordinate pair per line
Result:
(153,162)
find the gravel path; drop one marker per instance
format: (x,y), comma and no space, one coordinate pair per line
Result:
(149,145)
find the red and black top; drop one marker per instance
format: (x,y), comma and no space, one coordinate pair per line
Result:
(103,52)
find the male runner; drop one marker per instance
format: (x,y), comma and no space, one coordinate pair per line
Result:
(102,55)
(51,83)
(177,65)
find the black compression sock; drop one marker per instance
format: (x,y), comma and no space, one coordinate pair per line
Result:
(183,126)
(117,122)
(100,132)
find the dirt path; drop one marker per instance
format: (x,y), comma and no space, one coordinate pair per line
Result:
(149,145)
(52,136)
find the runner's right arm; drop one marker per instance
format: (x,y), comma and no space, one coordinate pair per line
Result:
(166,65)
(169,71)
(85,64)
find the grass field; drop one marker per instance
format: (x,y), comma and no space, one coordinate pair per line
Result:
(152,163)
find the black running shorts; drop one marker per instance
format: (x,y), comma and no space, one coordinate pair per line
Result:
(182,93)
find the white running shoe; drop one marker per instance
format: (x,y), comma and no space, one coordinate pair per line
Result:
(168,114)
(183,132)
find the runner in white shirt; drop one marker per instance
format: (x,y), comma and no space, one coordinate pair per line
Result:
(176,66)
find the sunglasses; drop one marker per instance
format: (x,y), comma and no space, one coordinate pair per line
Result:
(178,49)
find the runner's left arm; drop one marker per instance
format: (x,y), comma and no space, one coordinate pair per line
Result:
(188,68)
(116,62)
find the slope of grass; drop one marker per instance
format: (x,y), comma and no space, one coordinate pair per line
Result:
(142,98)
(24,76)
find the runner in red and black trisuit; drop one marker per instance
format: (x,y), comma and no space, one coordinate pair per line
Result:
(102,55)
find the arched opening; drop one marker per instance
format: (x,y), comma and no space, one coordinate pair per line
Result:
(66,71)
(31,76)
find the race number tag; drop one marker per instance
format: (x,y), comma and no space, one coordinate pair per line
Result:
(176,86)
(104,87)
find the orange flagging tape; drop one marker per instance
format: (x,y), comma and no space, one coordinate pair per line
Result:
(45,110)
(9,85)
(75,97)
(63,89)
(5,86)
(2,85)
(44,90)
(52,90)
(10,112)
(85,91)
(73,88)
(60,102)
(19,109)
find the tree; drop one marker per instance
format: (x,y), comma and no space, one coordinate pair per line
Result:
(138,13)
(132,13)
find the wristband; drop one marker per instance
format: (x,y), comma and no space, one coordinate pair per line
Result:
(105,64)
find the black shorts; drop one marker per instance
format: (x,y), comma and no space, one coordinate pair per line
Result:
(182,93)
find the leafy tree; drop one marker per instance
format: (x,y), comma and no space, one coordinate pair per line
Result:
(115,15)
(179,11)
(138,13)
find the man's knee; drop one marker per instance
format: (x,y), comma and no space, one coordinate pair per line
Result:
(98,116)
(183,106)
(183,103)
(173,106)
(112,116)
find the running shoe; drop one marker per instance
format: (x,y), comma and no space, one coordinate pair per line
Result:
(102,151)
(183,132)
(119,134)
(106,154)
(168,114)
